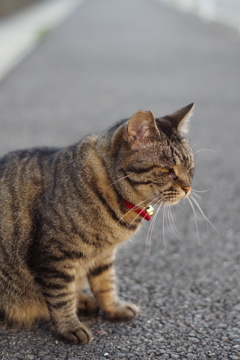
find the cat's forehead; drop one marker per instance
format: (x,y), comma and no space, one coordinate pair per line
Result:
(178,152)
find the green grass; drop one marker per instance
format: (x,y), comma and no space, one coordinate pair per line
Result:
(43,32)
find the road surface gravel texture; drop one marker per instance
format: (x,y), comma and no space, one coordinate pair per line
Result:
(108,60)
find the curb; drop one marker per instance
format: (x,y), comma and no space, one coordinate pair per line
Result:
(23,31)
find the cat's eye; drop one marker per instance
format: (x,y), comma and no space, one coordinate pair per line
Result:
(164,170)
(170,172)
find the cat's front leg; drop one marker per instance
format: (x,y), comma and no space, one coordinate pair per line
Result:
(59,291)
(102,281)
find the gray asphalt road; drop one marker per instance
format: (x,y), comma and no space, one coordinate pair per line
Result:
(107,61)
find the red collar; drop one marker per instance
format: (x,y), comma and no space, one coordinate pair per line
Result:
(143,213)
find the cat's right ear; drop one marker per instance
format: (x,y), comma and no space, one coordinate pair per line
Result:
(180,118)
(141,130)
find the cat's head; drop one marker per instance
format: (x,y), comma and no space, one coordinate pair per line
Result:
(154,160)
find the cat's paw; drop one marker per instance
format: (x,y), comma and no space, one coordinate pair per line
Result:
(87,306)
(78,336)
(123,311)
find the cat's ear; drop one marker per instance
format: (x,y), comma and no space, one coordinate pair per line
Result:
(180,119)
(141,130)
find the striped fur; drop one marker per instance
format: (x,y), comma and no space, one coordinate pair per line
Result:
(62,217)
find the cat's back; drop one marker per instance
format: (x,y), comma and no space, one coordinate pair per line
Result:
(23,176)
(25,166)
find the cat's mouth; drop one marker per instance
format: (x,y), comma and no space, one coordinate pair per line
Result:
(173,196)
(171,200)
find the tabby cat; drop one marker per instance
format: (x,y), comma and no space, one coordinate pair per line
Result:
(63,212)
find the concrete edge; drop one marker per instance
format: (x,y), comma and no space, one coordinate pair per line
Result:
(23,31)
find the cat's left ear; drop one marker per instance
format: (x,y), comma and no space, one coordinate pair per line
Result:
(141,130)
(180,119)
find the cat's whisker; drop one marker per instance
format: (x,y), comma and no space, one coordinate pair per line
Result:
(198,217)
(200,191)
(167,217)
(131,224)
(114,182)
(195,218)
(201,150)
(172,224)
(203,215)
(193,194)
(202,218)
(164,239)
(193,146)
(137,214)
(150,230)
(136,206)
(169,221)
(149,233)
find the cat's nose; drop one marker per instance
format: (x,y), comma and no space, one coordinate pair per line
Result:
(186,189)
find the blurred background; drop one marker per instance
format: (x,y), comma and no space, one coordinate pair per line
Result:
(73,67)
(225,11)
(7,7)
(124,53)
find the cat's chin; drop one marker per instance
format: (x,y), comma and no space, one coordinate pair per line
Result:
(172,202)
(167,202)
